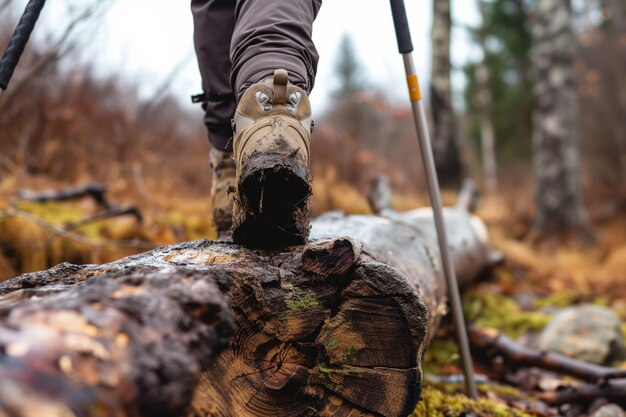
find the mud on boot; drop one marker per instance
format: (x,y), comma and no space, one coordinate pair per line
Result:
(271,150)
(223,179)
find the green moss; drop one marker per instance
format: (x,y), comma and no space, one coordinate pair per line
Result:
(343,369)
(326,382)
(302,302)
(558,299)
(331,345)
(563,299)
(325,375)
(54,212)
(194,226)
(486,309)
(440,353)
(340,350)
(436,403)
(502,391)
(348,353)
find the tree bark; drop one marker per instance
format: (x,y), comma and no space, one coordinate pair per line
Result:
(559,201)
(445,141)
(484,102)
(336,327)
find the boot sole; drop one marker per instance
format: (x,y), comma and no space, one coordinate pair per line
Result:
(273,196)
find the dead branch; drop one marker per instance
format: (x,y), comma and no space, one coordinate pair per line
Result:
(493,344)
(95,191)
(613,391)
(140,183)
(108,214)
(468,196)
(380,194)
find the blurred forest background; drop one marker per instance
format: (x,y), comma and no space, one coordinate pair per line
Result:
(540,129)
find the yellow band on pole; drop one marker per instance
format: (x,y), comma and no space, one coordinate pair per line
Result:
(414,87)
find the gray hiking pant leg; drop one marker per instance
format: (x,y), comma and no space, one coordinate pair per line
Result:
(240,42)
(214,23)
(272,34)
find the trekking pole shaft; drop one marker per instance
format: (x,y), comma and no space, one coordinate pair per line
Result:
(405,46)
(428,162)
(18,41)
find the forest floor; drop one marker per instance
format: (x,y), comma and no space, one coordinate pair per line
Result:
(517,297)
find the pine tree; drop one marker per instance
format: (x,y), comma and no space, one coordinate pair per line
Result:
(506,39)
(348,69)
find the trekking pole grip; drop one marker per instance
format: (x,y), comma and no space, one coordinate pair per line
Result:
(401,23)
(19,40)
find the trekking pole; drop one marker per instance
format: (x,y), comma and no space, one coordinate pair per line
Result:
(18,41)
(405,46)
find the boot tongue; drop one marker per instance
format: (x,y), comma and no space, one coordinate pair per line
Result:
(281,79)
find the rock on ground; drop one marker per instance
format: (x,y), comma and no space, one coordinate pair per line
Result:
(609,410)
(586,332)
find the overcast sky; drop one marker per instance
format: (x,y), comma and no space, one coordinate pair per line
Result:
(143,40)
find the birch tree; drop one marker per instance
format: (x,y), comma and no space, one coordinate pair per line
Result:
(445,145)
(558,195)
(484,102)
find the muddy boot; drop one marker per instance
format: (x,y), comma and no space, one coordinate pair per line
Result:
(223,168)
(271,149)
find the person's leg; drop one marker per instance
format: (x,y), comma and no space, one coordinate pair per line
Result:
(274,63)
(272,34)
(214,23)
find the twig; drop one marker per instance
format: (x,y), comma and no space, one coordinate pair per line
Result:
(380,194)
(59,231)
(613,391)
(494,344)
(140,183)
(95,191)
(8,164)
(164,85)
(468,197)
(112,212)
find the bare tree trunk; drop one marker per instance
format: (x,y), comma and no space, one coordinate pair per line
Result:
(445,141)
(559,201)
(613,14)
(337,327)
(484,102)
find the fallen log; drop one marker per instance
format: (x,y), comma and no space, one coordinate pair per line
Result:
(333,328)
(130,343)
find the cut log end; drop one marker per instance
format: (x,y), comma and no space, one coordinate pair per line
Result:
(307,345)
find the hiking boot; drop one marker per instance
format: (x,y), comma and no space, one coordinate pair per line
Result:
(272,129)
(223,168)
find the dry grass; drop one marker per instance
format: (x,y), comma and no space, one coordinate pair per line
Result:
(592,268)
